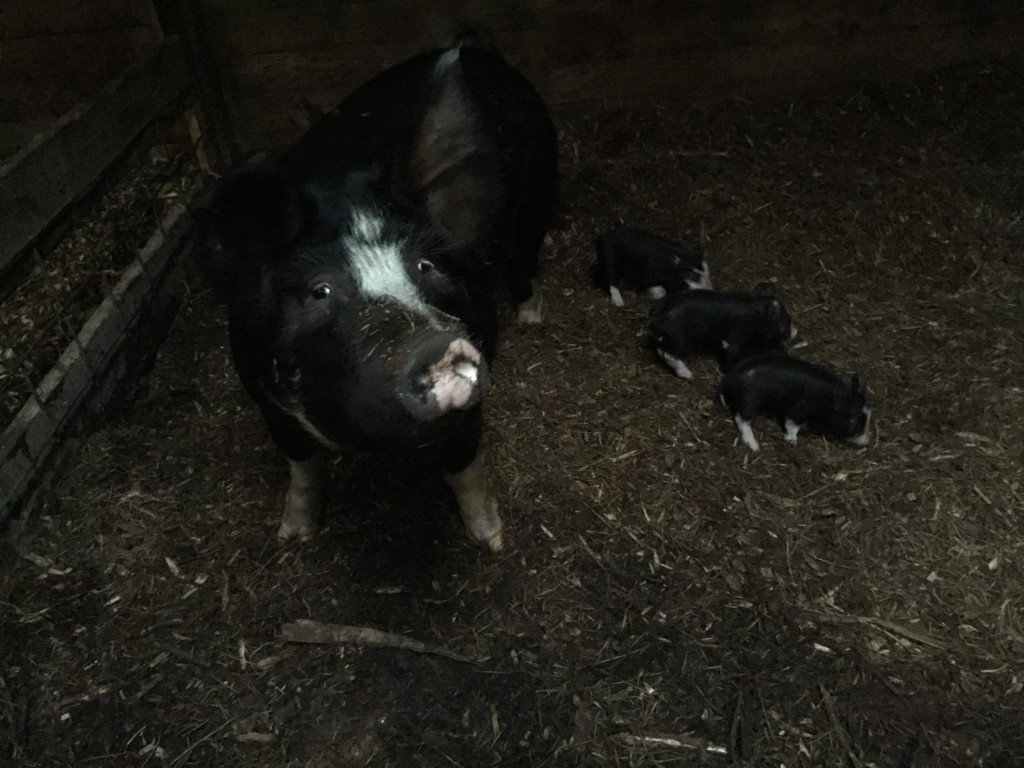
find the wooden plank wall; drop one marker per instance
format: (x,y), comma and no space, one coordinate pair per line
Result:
(55,53)
(65,160)
(275,58)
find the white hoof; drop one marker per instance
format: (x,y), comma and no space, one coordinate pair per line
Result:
(288,531)
(530,312)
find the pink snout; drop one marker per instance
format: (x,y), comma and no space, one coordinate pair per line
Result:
(447,373)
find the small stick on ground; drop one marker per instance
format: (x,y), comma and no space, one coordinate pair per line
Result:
(678,742)
(315,632)
(844,737)
(885,624)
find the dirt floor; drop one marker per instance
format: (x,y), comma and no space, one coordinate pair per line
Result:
(666,597)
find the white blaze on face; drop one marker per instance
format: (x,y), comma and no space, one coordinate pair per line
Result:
(446,59)
(377,264)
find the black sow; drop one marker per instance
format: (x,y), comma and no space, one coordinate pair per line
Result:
(799,396)
(360,271)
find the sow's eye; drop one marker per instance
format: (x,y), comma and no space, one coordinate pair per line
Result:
(424,266)
(321,291)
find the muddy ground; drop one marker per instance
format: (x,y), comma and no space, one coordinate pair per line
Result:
(665,597)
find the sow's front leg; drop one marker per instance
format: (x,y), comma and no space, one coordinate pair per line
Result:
(310,474)
(477,504)
(466,472)
(306,498)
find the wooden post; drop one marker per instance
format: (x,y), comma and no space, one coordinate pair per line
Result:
(185,19)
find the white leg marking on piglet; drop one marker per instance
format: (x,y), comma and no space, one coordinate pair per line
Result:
(746,433)
(864,437)
(530,312)
(703,281)
(616,296)
(678,366)
(477,505)
(657,292)
(305,499)
(792,430)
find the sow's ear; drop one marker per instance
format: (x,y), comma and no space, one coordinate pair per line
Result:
(773,310)
(256,208)
(452,164)
(253,215)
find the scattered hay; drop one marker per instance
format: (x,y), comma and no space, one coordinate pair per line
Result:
(662,588)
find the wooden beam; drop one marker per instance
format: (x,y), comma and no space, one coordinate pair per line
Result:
(62,163)
(272,55)
(187,20)
(117,342)
(47,18)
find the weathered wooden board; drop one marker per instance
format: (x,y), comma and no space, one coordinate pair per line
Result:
(55,54)
(118,339)
(50,18)
(62,163)
(274,56)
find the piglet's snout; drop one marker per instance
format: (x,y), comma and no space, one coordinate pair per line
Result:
(446,373)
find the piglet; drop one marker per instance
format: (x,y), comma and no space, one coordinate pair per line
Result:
(632,258)
(726,326)
(799,396)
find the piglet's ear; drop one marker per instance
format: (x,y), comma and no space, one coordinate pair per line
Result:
(858,384)
(452,162)
(773,309)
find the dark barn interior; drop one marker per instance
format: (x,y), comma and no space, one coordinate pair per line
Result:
(665,596)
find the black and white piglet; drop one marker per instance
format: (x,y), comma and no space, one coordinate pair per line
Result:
(726,326)
(799,396)
(632,258)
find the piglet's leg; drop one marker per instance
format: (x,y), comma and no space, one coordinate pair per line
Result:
(305,499)
(679,368)
(746,433)
(792,430)
(477,505)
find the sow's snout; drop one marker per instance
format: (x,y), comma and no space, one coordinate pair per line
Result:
(444,373)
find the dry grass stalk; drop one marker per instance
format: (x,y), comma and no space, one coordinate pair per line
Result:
(681,741)
(844,737)
(315,632)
